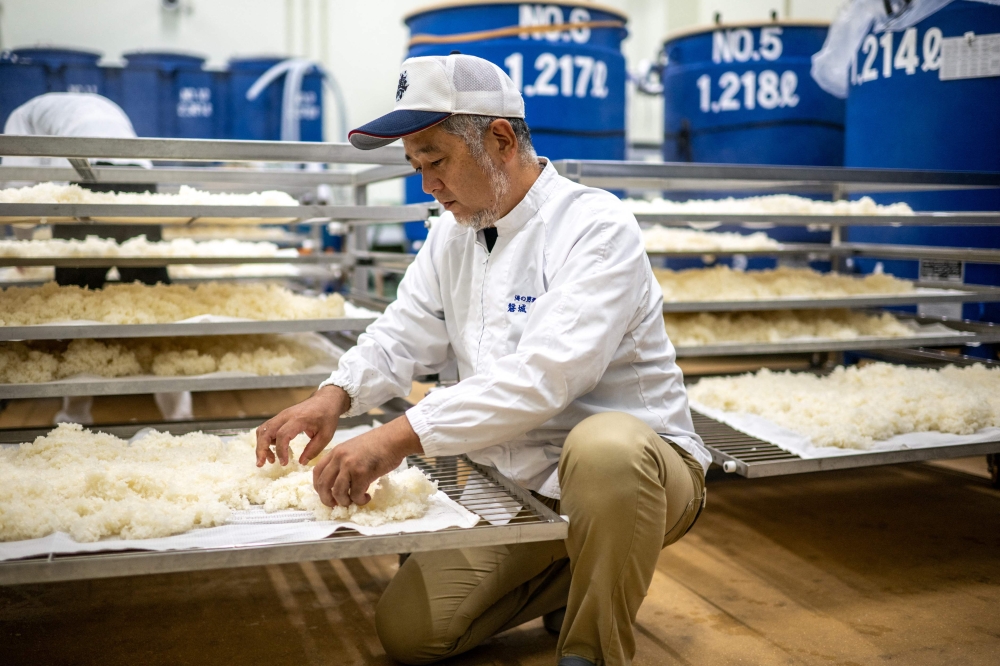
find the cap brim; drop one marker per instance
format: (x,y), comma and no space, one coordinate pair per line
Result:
(403,122)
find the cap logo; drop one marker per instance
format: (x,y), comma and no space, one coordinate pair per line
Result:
(401,86)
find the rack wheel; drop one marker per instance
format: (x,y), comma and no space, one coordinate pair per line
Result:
(993,462)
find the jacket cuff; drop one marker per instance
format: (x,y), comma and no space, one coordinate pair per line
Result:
(343,380)
(417,417)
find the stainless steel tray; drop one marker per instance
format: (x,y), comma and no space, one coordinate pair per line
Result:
(934,293)
(956,339)
(838,181)
(130,385)
(131,262)
(989,218)
(189,213)
(494,495)
(74,331)
(873,250)
(739,453)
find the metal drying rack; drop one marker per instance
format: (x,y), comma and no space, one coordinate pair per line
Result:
(227,165)
(735,451)
(491,496)
(740,453)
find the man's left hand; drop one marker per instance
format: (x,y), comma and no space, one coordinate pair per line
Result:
(342,475)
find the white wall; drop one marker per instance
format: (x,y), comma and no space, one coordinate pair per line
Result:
(360,41)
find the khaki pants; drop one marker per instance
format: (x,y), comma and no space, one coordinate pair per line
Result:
(627,493)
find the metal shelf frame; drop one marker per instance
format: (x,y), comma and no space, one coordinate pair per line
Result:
(838,181)
(192,213)
(758,220)
(942,293)
(867,250)
(737,452)
(198,150)
(133,262)
(165,175)
(75,331)
(131,385)
(533,522)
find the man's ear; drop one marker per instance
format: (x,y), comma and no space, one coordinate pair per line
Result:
(506,142)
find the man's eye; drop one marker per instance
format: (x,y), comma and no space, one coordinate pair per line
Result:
(437,163)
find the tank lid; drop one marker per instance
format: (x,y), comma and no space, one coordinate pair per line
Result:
(783,23)
(257,60)
(450,4)
(43,50)
(175,56)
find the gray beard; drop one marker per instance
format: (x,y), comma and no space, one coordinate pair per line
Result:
(500,184)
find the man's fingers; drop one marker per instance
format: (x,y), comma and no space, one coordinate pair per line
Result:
(316,444)
(359,493)
(341,489)
(285,435)
(265,437)
(323,480)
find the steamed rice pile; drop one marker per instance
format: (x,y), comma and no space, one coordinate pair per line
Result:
(95,246)
(144,304)
(774,204)
(855,407)
(74,194)
(721,283)
(92,485)
(708,328)
(45,361)
(658,238)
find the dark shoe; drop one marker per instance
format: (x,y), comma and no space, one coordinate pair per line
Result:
(553,621)
(575,661)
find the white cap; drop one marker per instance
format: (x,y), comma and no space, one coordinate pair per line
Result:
(432,88)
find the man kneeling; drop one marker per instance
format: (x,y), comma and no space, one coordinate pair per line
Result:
(540,290)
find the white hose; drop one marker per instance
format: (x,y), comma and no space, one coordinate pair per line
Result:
(294,71)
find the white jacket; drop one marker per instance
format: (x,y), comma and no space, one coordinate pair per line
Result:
(561,321)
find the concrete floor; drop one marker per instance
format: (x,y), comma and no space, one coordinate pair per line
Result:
(886,565)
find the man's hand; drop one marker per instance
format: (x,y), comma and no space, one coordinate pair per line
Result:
(343,475)
(317,416)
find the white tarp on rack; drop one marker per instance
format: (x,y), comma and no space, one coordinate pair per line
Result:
(253,527)
(802,446)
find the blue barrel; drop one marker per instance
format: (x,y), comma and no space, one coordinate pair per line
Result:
(168,94)
(573,81)
(26,73)
(743,95)
(920,117)
(260,119)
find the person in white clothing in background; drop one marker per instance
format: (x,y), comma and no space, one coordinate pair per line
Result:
(541,292)
(90,115)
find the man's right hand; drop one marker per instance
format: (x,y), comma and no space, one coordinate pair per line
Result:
(317,416)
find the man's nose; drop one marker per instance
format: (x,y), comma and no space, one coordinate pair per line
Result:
(430,184)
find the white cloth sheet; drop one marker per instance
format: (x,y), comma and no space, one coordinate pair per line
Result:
(802,446)
(252,527)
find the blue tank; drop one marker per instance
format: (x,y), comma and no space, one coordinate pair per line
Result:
(26,73)
(573,81)
(166,95)
(260,118)
(906,109)
(743,94)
